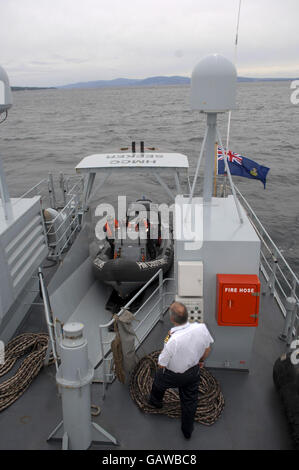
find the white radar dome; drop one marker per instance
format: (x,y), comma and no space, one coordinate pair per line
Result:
(5,91)
(213,85)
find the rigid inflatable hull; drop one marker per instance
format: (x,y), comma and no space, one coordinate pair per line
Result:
(125,276)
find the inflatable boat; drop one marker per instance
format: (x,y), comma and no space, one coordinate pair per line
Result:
(133,251)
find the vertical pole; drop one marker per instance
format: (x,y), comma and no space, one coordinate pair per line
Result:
(293,307)
(230,178)
(104,362)
(88,184)
(198,166)
(51,191)
(289,320)
(273,274)
(177,182)
(209,157)
(215,169)
(161,294)
(6,202)
(63,187)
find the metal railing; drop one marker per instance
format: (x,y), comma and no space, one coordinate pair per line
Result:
(61,230)
(34,191)
(159,306)
(68,185)
(281,281)
(47,189)
(49,320)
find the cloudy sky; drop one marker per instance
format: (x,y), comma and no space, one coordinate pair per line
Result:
(55,42)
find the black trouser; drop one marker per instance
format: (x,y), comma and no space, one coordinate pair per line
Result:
(187,383)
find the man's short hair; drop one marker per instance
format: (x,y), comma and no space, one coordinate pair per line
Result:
(179,313)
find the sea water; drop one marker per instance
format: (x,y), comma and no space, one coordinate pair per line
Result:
(52,130)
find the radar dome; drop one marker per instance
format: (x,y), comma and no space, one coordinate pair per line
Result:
(213,85)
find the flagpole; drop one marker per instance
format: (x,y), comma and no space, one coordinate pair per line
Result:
(229,176)
(215,169)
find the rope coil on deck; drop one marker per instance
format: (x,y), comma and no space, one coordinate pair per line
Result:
(35,346)
(210,400)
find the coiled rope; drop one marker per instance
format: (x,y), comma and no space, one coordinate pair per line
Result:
(35,344)
(210,400)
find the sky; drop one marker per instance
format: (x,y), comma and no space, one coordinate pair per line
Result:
(56,42)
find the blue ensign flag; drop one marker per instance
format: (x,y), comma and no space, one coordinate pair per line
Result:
(241,166)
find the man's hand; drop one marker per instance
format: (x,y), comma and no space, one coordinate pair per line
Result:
(205,355)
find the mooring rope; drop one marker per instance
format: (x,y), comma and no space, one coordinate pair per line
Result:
(210,400)
(35,345)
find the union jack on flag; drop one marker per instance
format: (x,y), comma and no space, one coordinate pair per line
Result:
(241,166)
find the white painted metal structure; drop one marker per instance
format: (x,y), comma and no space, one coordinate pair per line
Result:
(213,85)
(5,104)
(227,247)
(74,378)
(23,247)
(95,162)
(105,164)
(228,243)
(5,91)
(23,243)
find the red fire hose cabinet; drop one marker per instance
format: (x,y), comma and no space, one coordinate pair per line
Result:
(237,299)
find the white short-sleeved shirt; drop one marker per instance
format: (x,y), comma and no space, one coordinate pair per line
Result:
(185,347)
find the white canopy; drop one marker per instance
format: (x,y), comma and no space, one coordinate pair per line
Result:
(94,163)
(107,162)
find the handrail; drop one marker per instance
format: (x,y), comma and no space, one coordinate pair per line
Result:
(67,210)
(63,230)
(48,316)
(133,299)
(18,199)
(268,236)
(75,189)
(106,356)
(283,285)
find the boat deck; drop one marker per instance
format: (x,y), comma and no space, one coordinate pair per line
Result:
(253,417)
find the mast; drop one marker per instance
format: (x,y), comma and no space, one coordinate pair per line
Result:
(213,91)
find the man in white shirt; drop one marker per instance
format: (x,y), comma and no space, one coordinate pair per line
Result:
(179,364)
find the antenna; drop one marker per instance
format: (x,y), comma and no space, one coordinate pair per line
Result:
(237,32)
(230,113)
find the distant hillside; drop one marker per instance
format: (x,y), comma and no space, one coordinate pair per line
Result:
(249,79)
(22,88)
(120,82)
(150,81)
(154,81)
